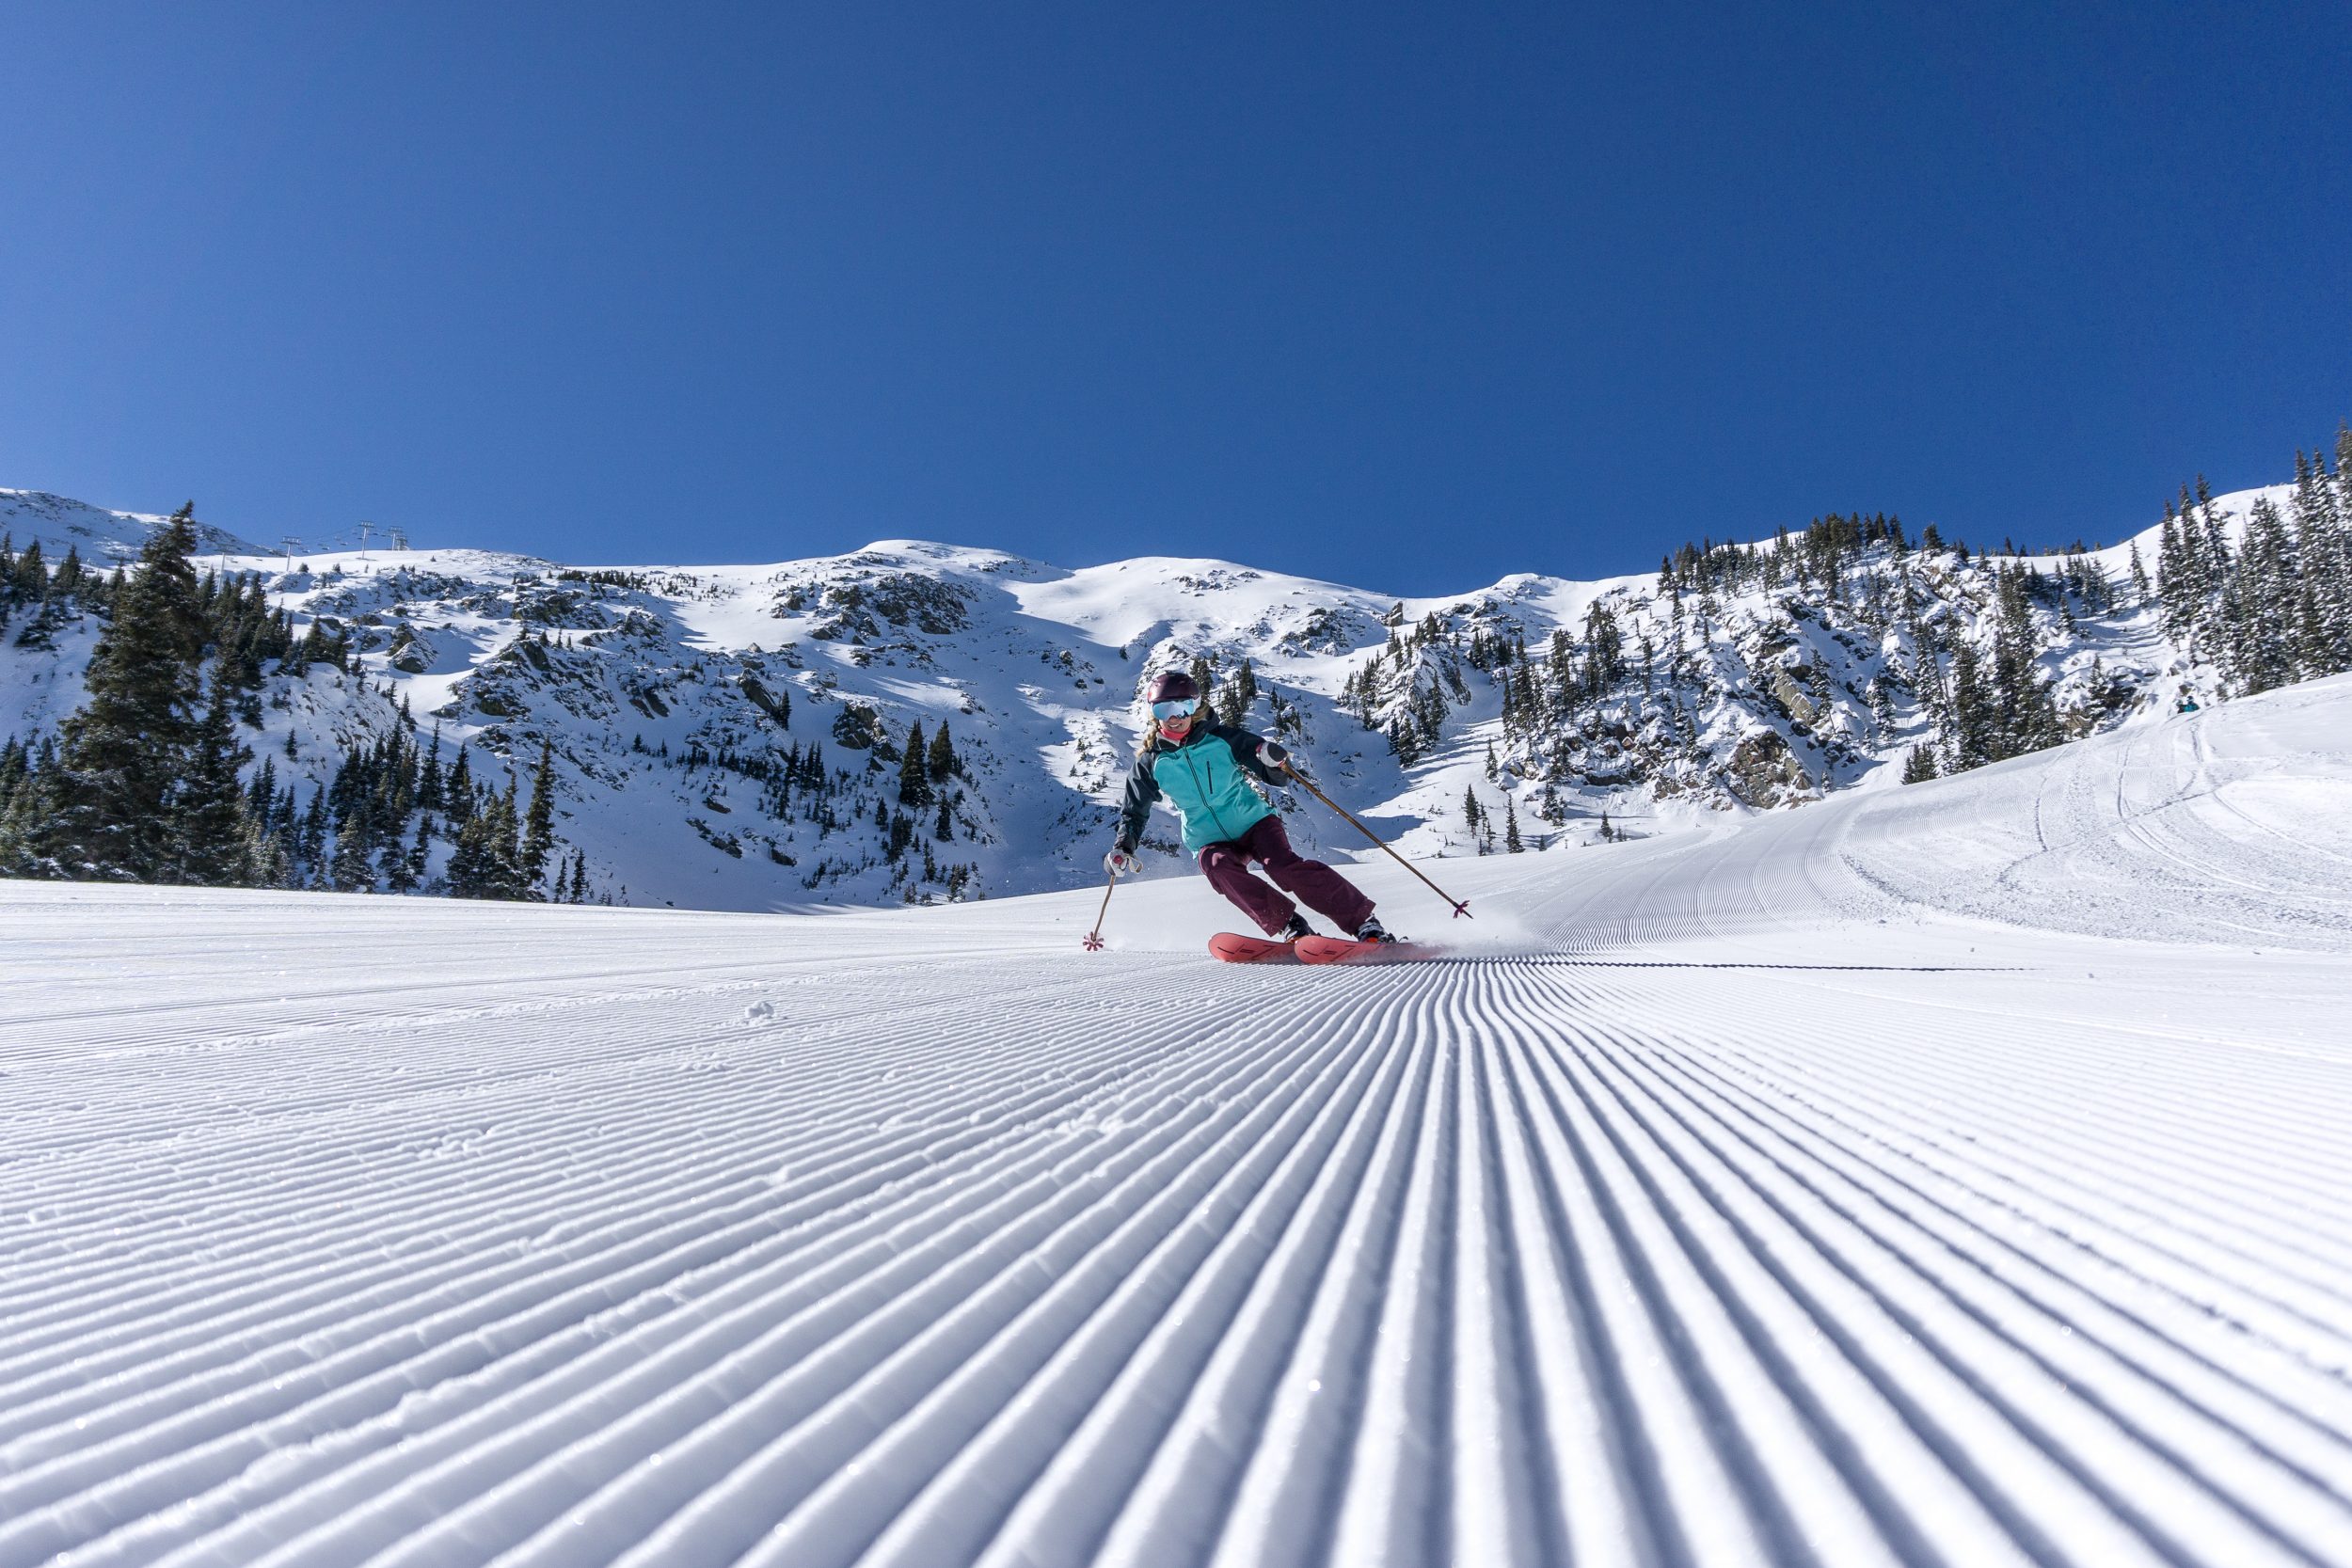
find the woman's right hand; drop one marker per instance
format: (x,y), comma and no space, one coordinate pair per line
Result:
(1119,863)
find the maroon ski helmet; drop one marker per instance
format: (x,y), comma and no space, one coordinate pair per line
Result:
(1172,686)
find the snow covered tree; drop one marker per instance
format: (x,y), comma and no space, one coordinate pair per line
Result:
(2260,598)
(2179,576)
(1606,642)
(2323,596)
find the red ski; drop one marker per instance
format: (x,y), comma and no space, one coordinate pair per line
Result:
(1237,949)
(1337,950)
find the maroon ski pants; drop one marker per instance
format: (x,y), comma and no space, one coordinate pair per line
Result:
(1320,888)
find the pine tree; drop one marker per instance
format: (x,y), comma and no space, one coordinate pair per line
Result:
(538,835)
(109,812)
(2262,596)
(310,837)
(2323,543)
(1919,765)
(15,763)
(914,784)
(457,802)
(1511,826)
(53,599)
(1234,709)
(429,778)
(265,860)
(405,869)
(1405,740)
(209,807)
(1607,642)
(21,793)
(1975,725)
(2023,709)
(470,869)
(352,869)
(2172,578)
(944,764)
(2216,538)
(506,843)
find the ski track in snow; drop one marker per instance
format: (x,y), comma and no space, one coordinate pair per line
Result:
(1841,1189)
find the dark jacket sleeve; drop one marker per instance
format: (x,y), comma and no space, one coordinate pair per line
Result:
(1244,746)
(1142,789)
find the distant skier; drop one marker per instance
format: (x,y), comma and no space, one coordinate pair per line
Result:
(2187,702)
(1203,768)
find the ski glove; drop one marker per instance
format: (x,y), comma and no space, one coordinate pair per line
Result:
(1120,862)
(1272,755)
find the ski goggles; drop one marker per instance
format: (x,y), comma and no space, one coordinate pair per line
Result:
(1176,710)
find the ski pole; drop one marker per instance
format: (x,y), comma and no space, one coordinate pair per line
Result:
(1461,906)
(1094,938)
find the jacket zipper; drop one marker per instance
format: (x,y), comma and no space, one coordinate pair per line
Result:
(1207,801)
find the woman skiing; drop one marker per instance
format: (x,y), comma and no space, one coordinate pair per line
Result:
(1203,768)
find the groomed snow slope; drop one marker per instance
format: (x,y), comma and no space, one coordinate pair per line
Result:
(1856,1187)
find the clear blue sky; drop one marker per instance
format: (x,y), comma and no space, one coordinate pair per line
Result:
(1407,297)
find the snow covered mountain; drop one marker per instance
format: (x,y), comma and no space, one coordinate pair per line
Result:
(1949,1175)
(102,538)
(733,737)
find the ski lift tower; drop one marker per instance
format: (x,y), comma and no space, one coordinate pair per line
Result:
(399,537)
(289,544)
(365,529)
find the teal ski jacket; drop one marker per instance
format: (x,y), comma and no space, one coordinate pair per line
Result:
(1207,780)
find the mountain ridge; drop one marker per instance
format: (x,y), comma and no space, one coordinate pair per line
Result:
(733,736)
